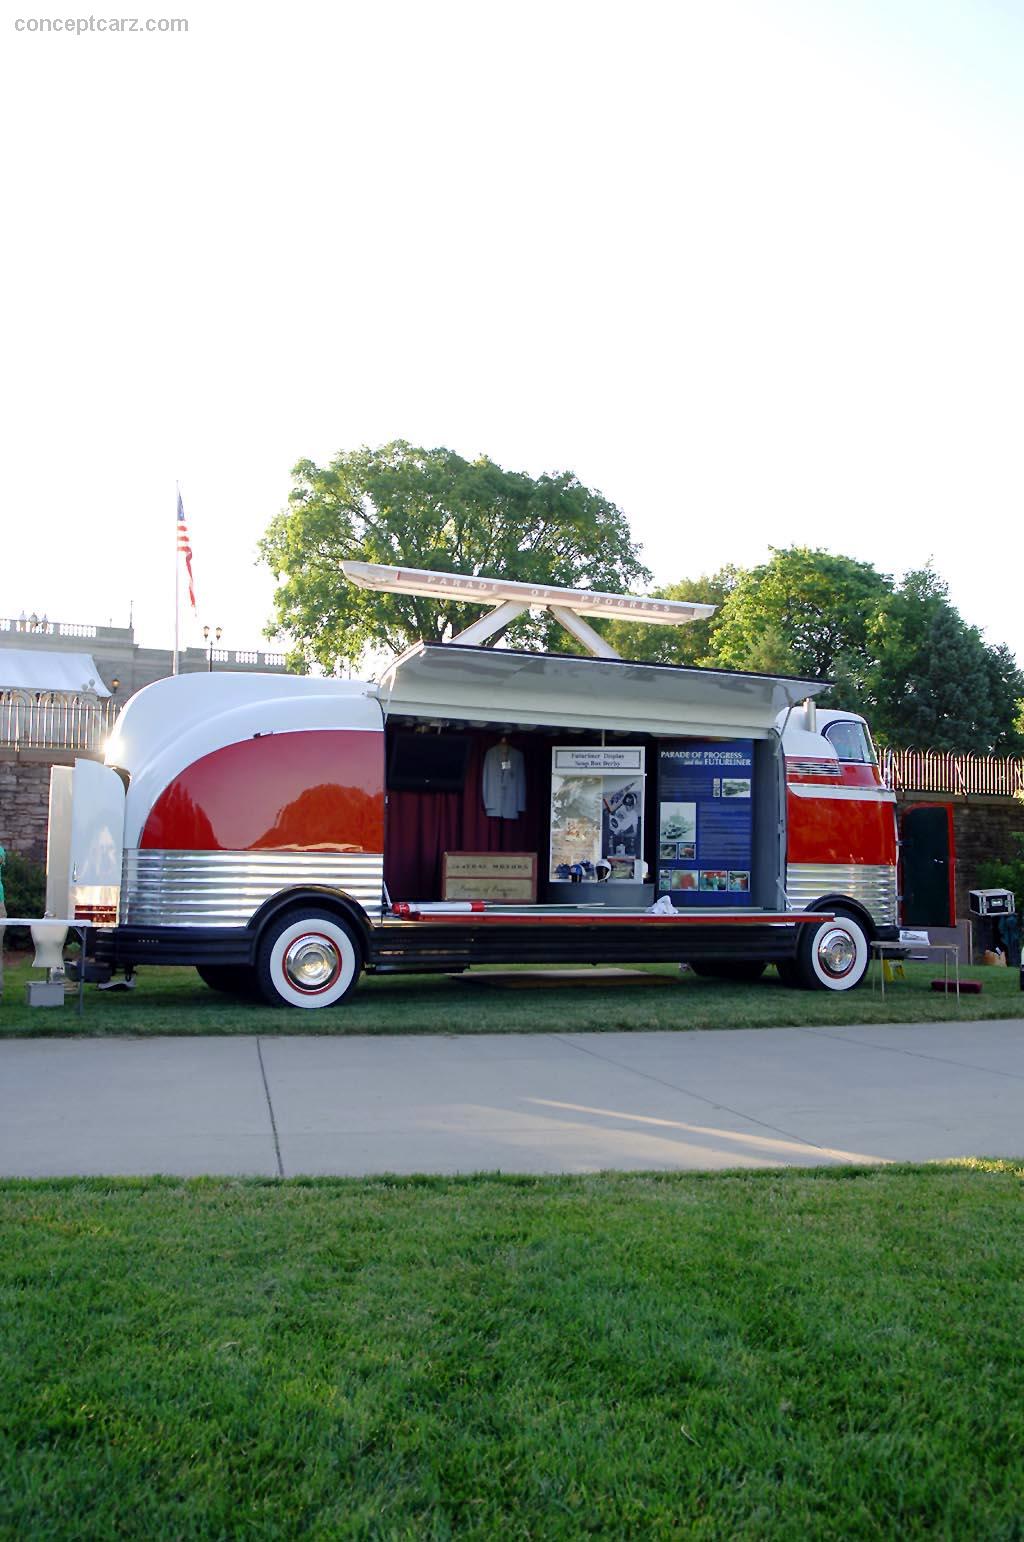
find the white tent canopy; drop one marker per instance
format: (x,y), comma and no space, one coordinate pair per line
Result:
(70,674)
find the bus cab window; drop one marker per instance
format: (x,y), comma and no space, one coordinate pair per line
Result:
(850,742)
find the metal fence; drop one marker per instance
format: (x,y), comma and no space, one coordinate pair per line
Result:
(40,626)
(945,771)
(35,627)
(40,720)
(234,656)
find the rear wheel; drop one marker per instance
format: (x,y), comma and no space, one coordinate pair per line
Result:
(232,979)
(834,954)
(739,969)
(307,958)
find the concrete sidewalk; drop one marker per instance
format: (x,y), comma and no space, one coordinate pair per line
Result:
(523,1103)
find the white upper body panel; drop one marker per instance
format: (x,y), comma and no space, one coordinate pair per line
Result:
(801,742)
(173,723)
(798,744)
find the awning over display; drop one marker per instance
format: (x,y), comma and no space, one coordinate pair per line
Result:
(31,669)
(478,589)
(452,682)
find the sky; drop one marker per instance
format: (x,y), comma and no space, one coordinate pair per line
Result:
(752,269)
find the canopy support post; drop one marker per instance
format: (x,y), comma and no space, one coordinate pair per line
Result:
(486,626)
(591,639)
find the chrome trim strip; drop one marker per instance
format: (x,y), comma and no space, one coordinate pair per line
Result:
(799,765)
(850,794)
(873,887)
(226,888)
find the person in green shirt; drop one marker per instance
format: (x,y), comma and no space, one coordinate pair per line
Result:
(3,912)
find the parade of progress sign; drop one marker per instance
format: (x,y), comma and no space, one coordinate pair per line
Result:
(705,821)
(597,808)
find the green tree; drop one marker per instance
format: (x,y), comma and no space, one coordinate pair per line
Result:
(692,644)
(1018,722)
(804,612)
(1006,680)
(25,887)
(413,507)
(935,682)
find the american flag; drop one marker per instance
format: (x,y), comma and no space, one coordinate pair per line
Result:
(185,549)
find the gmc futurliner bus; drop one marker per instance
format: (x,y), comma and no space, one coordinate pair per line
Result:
(285,834)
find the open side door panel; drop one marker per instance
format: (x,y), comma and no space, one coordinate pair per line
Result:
(85,843)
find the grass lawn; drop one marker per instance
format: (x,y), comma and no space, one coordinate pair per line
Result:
(765,1355)
(175,1001)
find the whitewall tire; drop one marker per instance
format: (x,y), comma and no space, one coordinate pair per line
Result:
(307,959)
(834,954)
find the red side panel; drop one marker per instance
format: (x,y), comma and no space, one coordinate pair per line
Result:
(832,830)
(321,790)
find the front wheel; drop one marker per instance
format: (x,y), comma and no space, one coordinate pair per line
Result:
(834,954)
(307,958)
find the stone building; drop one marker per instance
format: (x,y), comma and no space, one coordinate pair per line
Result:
(61,685)
(119,658)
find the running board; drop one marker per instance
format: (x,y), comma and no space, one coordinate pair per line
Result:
(456,942)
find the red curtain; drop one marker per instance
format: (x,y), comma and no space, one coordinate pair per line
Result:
(422,826)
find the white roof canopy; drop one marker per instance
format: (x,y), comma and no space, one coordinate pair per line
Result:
(30,669)
(510,598)
(452,682)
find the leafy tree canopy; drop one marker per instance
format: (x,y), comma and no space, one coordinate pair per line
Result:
(692,644)
(814,604)
(401,504)
(934,681)
(900,653)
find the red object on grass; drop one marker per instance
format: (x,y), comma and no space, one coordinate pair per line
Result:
(967,987)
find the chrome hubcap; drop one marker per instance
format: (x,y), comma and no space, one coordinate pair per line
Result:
(837,953)
(311,962)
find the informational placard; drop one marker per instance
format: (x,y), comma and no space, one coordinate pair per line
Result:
(509,876)
(597,812)
(597,762)
(705,821)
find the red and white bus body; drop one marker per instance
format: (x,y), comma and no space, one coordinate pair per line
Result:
(241,825)
(840,817)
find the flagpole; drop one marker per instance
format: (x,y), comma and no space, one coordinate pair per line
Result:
(177,566)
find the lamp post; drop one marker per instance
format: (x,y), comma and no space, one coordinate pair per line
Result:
(209,638)
(109,709)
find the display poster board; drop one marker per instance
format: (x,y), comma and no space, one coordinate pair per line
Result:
(705,821)
(597,811)
(504,876)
